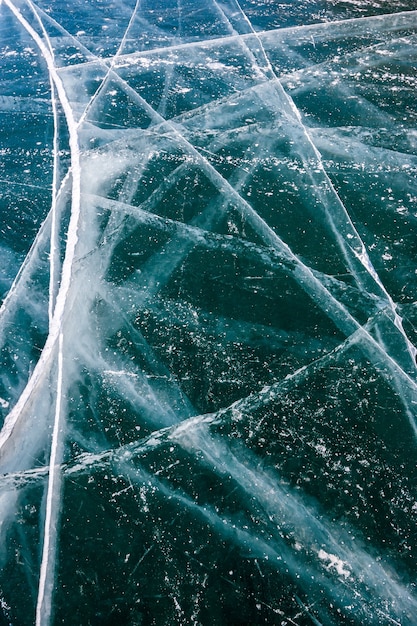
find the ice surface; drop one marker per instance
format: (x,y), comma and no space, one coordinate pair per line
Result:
(208,322)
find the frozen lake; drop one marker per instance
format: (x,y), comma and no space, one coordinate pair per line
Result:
(208,278)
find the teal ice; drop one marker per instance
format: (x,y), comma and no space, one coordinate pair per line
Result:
(208,277)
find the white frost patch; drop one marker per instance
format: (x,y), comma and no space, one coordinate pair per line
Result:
(4,605)
(182,90)
(140,61)
(216,65)
(4,403)
(333,562)
(321,449)
(120,373)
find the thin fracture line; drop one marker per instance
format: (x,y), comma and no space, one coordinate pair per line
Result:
(14,183)
(180,11)
(44,603)
(105,80)
(53,252)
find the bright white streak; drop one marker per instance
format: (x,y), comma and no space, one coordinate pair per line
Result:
(43,608)
(54,229)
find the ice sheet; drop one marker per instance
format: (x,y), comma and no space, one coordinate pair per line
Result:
(207,356)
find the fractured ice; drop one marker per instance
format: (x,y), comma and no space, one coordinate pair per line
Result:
(208,364)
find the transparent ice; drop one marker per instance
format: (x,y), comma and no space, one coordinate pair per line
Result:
(208,324)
